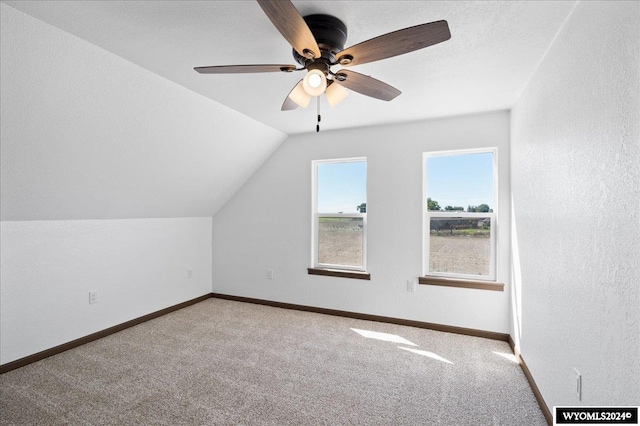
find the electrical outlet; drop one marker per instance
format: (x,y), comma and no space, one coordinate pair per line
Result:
(189,273)
(93,297)
(269,274)
(578,379)
(411,286)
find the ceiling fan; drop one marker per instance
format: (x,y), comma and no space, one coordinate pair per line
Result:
(318,44)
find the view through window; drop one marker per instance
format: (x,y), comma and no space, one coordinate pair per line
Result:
(340,220)
(460,213)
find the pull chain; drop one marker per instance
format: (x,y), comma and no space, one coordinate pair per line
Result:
(319,117)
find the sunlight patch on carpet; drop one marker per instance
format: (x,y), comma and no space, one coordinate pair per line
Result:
(427,354)
(505,355)
(383,336)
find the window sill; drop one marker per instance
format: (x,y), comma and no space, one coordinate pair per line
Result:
(456,282)
(339,273)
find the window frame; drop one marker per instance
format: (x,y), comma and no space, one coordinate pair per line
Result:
(315,218)
(428,214)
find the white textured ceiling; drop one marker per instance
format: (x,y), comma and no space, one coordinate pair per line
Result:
(493,51)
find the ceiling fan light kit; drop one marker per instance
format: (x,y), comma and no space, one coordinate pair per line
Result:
(336,94)
(318,44)
(314,83)
(300,96)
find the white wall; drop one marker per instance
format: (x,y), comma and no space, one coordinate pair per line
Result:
(88,142)
(88,135)
(575,170)
(267,224)
(137,266)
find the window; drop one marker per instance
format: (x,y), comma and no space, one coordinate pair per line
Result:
(340,215)
(460,215)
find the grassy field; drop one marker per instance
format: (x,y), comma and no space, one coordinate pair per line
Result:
(460,254)
(340,242)
(463,232)
(465,252)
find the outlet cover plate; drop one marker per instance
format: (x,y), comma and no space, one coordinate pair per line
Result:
(411,286)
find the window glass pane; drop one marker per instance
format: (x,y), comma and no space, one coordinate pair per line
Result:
(342,187)
(460,182)
(340,241)
(460,246)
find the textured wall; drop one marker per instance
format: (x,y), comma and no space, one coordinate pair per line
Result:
(137,266)
(575,170)
(267,225)
(88,135)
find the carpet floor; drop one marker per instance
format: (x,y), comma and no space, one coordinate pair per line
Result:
(221,362)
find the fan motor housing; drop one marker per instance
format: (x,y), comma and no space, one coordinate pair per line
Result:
(330,34)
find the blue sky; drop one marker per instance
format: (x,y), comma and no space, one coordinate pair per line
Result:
(455,180)
(461,180)
(341,186)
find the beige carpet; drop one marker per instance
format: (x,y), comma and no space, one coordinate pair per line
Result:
(229,363)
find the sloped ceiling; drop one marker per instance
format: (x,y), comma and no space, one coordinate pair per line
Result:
(86,134)
(494,49)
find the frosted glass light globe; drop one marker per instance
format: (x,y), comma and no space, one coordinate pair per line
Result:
(314,83)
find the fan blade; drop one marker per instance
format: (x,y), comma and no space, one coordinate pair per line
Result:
(236,69)
(395,43)
(288,103)
(286,18)
(298,96)
(366,85)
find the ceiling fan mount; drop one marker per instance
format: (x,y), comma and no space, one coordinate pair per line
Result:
(330,34)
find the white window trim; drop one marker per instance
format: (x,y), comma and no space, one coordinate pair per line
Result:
(315,216)
(494,230)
